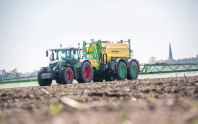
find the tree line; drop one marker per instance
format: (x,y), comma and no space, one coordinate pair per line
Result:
(15,74)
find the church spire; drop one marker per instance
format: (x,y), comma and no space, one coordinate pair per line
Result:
(170,52)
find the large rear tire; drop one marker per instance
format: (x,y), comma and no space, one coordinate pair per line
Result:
(43,82)
(132,71)
(66,75)
(86,73)
(121,71)
(97,77)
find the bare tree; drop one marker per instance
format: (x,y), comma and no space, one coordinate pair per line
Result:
(3,72)
(152,60)
(14,71)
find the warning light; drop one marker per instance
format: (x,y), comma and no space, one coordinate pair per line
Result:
(60,44)
(78,45)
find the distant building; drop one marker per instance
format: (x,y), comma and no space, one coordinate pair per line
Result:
(185,60)
(170,52)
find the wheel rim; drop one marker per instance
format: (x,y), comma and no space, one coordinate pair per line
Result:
(133,71)
(68,75)
(122,71)
(87,72)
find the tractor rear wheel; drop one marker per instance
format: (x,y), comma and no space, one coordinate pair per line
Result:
(66,75)
(86,73)
(43,82)
(97,77)
(132,71)
(121,71)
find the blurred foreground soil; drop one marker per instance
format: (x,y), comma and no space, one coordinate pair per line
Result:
(142,101)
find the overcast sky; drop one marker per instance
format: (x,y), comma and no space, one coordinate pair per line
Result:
(29,27)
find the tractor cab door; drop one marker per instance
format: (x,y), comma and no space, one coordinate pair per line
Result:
(75,56)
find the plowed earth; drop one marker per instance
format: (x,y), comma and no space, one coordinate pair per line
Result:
(151,101)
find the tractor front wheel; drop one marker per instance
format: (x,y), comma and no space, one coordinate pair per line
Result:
(66,75)
(43,82)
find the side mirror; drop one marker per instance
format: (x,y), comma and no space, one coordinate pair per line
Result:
(46,53)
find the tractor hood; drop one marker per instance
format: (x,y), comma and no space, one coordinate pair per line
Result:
(53,63)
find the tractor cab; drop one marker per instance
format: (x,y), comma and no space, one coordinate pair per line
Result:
(69,55)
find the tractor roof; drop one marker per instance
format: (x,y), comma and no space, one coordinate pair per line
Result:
(62,49)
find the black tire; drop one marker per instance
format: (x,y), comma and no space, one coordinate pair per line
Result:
(86,78)
(132,71)
(43,82)
(97,77)
(121,68)
(66,75)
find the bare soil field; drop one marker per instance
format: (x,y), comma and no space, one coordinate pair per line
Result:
(142,101)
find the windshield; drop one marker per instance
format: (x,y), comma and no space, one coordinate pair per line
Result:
(63,54)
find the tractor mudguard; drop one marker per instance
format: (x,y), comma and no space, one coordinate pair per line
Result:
(112,65)
(82,61)
(130,60)
(118,60)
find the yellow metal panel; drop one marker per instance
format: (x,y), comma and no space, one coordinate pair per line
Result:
(112,50)
(115,50)
(94,62)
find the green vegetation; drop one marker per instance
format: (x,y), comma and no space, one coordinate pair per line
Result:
(33,107)
(86,96)
(172,90)
(148,97)
(123,114)
(185,81)
(55,109)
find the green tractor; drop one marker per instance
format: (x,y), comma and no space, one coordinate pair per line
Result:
(65,65)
